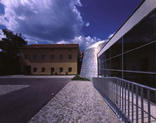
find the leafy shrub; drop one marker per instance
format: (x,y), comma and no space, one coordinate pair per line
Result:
(77,77)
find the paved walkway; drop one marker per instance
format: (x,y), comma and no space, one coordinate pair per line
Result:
(77,102)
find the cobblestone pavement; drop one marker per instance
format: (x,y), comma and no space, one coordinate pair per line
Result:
(77,102)
(4,89)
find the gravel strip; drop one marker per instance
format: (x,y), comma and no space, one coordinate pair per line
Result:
(77,102)
(4,89)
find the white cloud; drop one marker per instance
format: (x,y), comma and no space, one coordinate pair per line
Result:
(45,19)
(63,42)
(83,41)
(2,35)
(87,24)
(30,41)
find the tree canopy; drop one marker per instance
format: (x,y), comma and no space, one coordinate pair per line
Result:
(12,43)
(9,56)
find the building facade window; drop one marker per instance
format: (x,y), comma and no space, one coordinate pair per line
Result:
(26,56)
(43,57)
(60,69)
(69,56)
(133,56)
(51,57)
(43,69)
(61,57)
(52,69)
(34,57)
(34,69)
(70,69)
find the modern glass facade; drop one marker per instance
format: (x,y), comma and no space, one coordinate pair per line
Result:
(133,56)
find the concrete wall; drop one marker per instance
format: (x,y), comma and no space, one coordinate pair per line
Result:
(89,64)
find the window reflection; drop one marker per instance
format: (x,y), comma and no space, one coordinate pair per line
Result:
(138,59)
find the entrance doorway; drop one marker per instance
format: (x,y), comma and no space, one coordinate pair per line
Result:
(28,70)
(52,71)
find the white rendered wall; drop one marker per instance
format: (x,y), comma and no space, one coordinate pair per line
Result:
(89,64)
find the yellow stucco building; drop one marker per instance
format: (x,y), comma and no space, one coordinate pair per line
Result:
(50,59)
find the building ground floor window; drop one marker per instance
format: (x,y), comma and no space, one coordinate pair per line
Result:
(60,69)
(52,70)
(43,69)
(70,69)
(49,70)
(34,69)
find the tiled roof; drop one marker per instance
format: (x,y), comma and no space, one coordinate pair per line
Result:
(52,46)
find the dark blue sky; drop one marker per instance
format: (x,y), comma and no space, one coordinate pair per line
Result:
(106,16)
(65,21)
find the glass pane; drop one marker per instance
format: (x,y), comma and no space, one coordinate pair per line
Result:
(116,63)
(143,59)
(106,73)
(146,79)
(142,33)
(116,49)
(107,54)
(108,64)
(116,74)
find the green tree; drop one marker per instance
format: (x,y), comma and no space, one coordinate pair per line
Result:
(10,52)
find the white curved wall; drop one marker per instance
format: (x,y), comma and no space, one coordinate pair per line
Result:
(89,64)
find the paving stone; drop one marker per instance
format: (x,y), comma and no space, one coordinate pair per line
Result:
(77,102)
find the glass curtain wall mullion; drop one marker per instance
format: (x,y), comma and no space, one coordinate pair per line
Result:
(155,69)
(122,57)
(126,52)
(131,71)
(114,57)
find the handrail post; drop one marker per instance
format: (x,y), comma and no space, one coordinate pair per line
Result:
(120,95)
(132,101)
(149,108)
(136,104)
(122,98)
(125,98)
(128,101)
(142,105)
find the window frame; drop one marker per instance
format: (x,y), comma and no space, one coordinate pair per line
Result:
(43,69)
(69,69)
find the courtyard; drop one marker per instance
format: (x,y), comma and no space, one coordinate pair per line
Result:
(25,96)
(51,99)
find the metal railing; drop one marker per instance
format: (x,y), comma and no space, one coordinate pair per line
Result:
(135,103)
